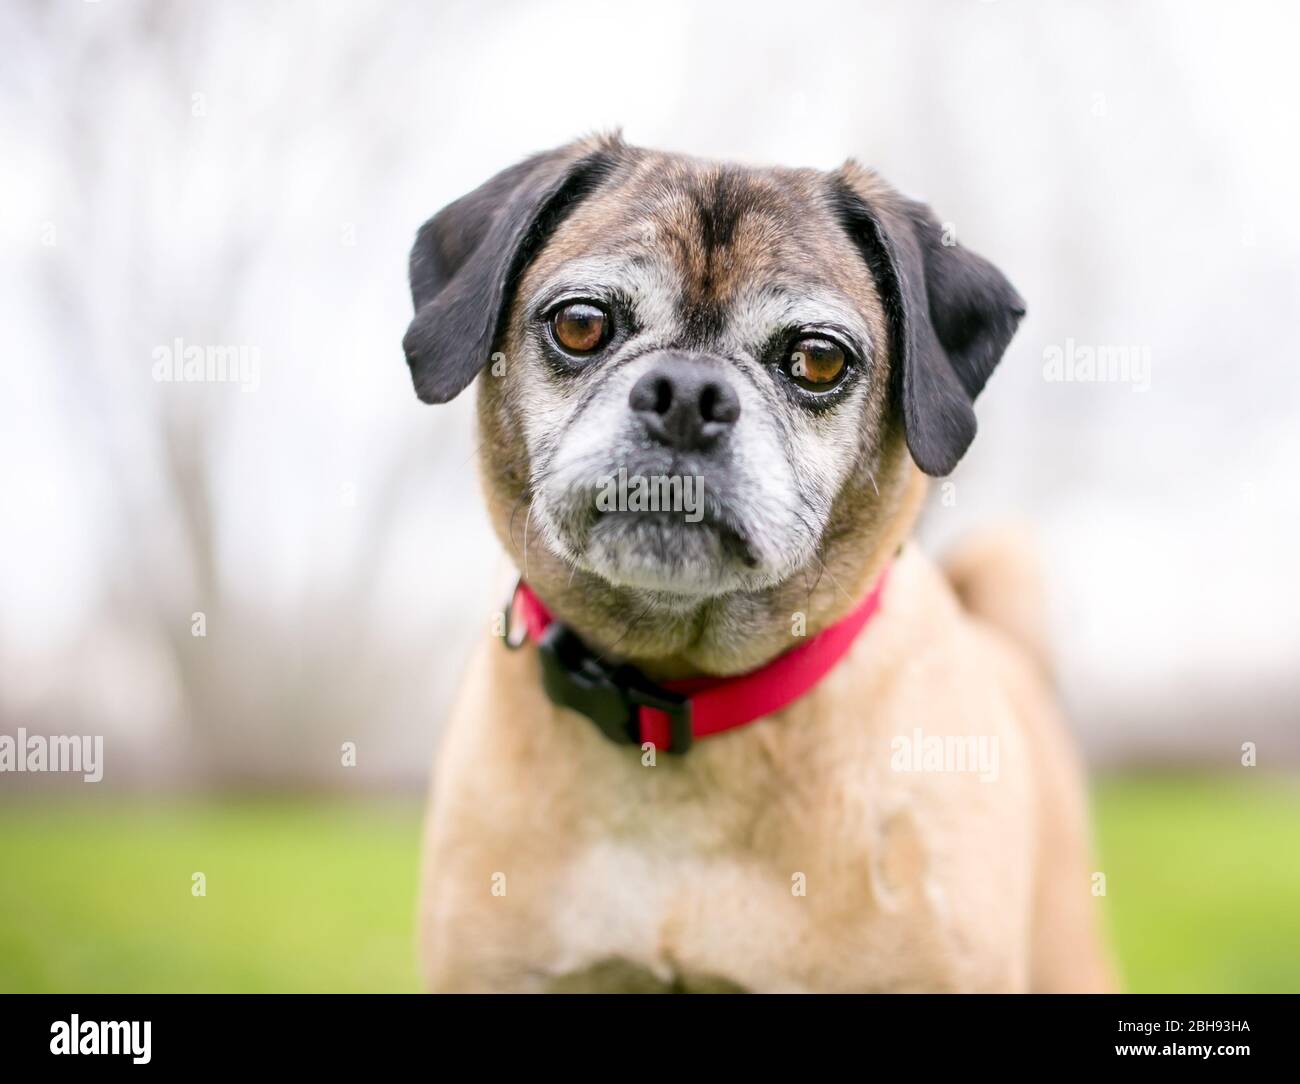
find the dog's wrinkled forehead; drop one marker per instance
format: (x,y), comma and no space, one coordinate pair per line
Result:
(716,252)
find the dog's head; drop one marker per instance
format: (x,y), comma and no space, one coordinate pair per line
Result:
(698,376)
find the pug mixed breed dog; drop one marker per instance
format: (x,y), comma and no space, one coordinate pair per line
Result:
(762,744)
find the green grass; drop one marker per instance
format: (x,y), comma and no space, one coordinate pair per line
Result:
(302,896)
(1203,882)
(1203,891)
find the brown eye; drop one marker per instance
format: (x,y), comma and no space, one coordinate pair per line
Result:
(580,327)
(816,364)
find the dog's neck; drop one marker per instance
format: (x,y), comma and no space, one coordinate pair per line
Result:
(669,637)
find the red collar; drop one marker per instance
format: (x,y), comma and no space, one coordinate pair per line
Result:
(628,707)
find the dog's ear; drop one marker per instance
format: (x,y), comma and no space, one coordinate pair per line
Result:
(951,314)
(469,256)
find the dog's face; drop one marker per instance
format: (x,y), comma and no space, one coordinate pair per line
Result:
(697,376)
(713,330)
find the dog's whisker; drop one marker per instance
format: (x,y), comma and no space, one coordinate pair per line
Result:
(474,454)
(527,520)
(807,591)
(822,569)
(831,574)
(622,636)
(510,529)
(818,581)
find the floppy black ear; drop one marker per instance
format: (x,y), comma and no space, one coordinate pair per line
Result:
(951,315)
(468,257)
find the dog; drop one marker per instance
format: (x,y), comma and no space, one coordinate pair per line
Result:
(804,347)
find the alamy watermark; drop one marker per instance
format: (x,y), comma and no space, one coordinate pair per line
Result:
(113,1037)
(60,753)
(977,754)
(181,363)
(654,493)
(1105,363)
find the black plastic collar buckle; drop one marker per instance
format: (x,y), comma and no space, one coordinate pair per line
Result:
(608,695)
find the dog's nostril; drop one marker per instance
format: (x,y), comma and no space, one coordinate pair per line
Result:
(652,394)
(718,403)
(708,400)
(663,395)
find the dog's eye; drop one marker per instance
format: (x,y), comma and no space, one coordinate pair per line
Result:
(580,327)
(816,364)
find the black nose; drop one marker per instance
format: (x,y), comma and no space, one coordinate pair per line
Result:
(685,403)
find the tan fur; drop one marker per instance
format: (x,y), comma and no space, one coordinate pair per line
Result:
(619,875)
(556,860)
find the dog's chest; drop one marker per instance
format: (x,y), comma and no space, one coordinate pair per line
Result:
(790,914)
(789,856)
(630,920)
